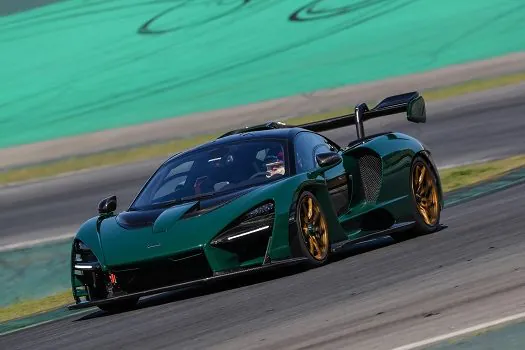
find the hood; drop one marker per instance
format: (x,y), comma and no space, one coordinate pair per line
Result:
(147,218)
(140,235)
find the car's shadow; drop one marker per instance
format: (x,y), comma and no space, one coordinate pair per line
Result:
(247,280)
(210,288)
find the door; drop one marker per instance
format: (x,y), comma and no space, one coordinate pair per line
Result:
(339,184)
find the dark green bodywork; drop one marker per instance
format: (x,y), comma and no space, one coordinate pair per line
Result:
(115,246)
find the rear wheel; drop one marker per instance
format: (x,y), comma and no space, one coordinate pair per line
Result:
(312,236)
(425,195)
(425,200)
(119,306)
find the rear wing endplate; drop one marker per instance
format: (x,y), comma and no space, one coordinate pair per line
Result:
(412,103)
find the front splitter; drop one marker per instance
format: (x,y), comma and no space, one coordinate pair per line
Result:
(194,283)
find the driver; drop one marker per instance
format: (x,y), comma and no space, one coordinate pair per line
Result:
(274,162)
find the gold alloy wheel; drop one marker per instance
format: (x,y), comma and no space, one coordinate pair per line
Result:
(425,192)
(313,227)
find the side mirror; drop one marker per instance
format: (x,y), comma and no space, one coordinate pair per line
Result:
(328,159)
(107,205)
(416,110)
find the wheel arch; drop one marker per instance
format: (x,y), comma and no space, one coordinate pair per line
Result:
(319,190)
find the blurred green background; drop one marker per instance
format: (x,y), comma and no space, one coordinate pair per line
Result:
(76,66)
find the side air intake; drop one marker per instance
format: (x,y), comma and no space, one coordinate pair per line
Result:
(370,172)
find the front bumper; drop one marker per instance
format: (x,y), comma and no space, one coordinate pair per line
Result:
(194,283)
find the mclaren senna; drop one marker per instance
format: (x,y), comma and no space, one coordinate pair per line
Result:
(255,198)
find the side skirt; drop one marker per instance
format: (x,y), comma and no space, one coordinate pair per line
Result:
(347,244)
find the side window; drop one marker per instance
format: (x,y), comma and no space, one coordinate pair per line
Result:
(307,145)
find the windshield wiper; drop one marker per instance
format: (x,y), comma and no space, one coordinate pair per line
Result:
(183,200)
(198,197)
(166,203)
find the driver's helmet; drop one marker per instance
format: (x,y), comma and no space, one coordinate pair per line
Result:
(274,162)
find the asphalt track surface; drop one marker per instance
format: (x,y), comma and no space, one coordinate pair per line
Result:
(470,272)
(468,128)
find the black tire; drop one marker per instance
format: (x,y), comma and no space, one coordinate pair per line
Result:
(312,240)
(119,306)
(427,217)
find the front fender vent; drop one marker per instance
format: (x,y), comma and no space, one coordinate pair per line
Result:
(370,170)
(247,237)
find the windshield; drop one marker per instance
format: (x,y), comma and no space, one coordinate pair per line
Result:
(212,170)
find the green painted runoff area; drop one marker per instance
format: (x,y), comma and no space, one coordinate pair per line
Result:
(34,272)
(75,66)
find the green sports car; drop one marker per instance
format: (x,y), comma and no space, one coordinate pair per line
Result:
(257,198)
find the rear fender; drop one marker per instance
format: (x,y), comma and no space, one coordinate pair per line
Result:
(396,151)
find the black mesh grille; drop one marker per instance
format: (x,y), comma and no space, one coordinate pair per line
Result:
(370,171)
(163,272)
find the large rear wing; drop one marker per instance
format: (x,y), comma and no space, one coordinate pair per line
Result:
(412,103)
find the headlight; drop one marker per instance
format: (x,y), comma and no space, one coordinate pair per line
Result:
(82,253)
(256,222)
(88,282)
(79,246)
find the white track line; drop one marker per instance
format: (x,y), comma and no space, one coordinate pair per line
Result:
(41,241)
(465,331)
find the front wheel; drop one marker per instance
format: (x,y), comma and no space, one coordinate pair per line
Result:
(312,230)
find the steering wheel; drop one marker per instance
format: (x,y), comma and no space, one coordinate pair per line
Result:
(261,173)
